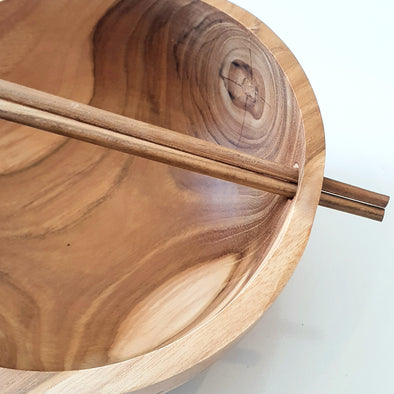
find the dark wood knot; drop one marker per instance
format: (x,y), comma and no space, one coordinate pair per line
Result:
(245,87)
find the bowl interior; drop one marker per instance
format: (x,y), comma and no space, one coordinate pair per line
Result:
(106,256)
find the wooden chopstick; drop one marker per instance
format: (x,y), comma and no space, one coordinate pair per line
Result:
(125,143)
(148,132)
(158,135)
(351,206)
(355,193)
(110,139)
(66,117)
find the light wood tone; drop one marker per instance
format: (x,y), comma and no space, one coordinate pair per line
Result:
(159,135)
(142,235)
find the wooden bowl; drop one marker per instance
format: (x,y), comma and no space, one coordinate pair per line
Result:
(118,273)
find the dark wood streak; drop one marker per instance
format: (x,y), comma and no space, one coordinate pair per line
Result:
(38,162)
(20,230)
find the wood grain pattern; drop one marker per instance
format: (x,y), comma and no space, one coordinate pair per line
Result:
(96,252)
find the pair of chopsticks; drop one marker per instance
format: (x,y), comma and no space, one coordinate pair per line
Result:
(72,119)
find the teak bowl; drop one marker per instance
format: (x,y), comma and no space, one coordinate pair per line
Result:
(118,273)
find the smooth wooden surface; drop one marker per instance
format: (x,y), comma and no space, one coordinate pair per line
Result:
(69,118)
(140,248)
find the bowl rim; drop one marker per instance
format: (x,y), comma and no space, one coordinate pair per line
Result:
(168,367)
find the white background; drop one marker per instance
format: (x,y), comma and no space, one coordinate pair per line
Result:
(332,328)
